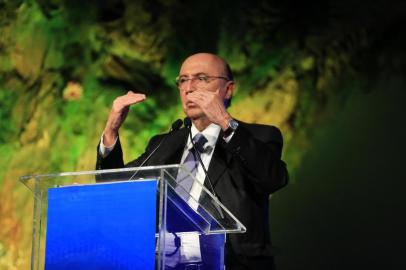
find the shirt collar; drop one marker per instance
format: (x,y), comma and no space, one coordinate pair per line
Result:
(211,133)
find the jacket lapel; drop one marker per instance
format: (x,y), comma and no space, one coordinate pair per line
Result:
(171,153)
(172,150)
(218,164)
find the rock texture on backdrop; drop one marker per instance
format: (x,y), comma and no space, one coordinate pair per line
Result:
(63,62)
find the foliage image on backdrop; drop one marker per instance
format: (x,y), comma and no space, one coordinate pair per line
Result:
(309,69)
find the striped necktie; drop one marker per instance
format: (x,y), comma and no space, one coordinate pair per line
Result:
(191,162)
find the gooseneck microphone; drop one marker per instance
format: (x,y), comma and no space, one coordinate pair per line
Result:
(175,126)
(188,124)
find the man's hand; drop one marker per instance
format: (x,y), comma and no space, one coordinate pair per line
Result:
(118,113)
(212,106)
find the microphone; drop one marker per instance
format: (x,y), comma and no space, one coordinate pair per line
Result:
(188,124)
(175,126)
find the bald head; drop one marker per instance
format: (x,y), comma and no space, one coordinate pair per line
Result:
(209,61)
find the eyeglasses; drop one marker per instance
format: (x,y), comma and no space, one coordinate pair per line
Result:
(198,80)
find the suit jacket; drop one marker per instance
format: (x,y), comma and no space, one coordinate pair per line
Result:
(244,172)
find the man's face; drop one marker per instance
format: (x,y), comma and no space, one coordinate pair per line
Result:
(202,72)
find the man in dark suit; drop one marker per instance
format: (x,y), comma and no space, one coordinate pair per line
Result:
(244,160)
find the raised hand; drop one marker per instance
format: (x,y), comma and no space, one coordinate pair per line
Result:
(212,106)
(118,114)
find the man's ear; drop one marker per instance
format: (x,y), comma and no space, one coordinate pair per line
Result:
(229,90)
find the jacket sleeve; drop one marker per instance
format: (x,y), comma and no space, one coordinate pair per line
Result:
(257,151)
(115,158)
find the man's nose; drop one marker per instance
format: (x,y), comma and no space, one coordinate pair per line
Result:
(189,86)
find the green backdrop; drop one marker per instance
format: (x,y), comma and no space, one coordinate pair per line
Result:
(329,74)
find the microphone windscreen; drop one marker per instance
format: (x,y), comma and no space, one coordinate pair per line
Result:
(187,122)
(176,125)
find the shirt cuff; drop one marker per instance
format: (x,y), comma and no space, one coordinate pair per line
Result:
(190,248)
(104,150)
(228,138)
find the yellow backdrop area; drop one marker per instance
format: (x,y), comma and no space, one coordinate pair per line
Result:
(306,68)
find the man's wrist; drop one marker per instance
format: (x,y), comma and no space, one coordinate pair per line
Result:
(225,123)
(232,126)
(105,150)
(109,138)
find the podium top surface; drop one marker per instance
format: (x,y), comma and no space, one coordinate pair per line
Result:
(204,207)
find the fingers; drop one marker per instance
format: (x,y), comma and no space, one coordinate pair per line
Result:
(132,98)
(203,97)
(127,100)
(199,95)
(131,94)
(211,105)
(119,111)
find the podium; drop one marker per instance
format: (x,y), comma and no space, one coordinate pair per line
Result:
(131,218)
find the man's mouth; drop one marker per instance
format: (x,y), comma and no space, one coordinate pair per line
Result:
(190,104)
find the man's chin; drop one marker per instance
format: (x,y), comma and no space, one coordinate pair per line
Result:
(194,113)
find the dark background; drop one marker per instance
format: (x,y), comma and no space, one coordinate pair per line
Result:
(329,74)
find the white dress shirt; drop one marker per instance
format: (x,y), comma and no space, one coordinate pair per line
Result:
(190,245)
(211,133)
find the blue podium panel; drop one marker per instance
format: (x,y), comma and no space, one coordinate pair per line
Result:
(103,226)
(190,218)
